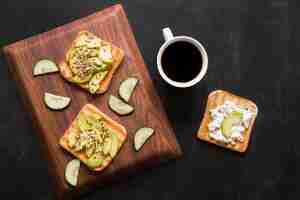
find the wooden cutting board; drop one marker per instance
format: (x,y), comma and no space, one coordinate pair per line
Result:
(112,25)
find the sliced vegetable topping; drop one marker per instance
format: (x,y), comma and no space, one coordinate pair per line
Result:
(141,136)
(118,106)
(127,87)
(81,79)
(107,145)
(72,140)
(72,171)
(89,60)
(94,138)
(231,120)
(94,83)
(95,161)
(56,102)
(44,66)
(114,145)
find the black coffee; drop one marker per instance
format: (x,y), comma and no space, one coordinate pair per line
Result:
(181,61)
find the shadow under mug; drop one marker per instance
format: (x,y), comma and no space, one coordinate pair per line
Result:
(170,39)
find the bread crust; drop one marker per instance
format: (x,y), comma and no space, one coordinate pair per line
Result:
(117,55)
(118,128)
(217,98)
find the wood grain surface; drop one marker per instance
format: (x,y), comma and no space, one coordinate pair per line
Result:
(112,25)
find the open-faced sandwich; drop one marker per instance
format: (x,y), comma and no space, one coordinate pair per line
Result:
(94,138)
(91,62)
(228,121)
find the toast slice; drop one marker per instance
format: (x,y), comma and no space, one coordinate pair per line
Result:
(120,131)
(217,98)
(117,57)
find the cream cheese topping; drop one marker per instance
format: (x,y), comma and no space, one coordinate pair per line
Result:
(218,115)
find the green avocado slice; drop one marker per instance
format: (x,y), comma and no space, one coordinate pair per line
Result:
(95,161)
(94,83)
(83,123)
(232,119)
(114,145)
(80,80)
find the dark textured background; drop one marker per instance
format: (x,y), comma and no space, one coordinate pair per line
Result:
(252,52)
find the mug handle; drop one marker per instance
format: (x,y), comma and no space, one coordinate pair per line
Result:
(167,33)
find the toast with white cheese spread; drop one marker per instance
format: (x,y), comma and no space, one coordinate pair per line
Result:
(228,120)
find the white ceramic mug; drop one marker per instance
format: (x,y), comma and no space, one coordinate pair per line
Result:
(170,39)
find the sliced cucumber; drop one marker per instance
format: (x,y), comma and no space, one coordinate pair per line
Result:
(231,120)
(118,106)
(141,136)
(114,145)
(126,88)
(88,122)
(44,66)
(95,161)
(94,83)
(72,171)
(56,102)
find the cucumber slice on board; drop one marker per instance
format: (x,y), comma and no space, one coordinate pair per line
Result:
(72,171)
(118,106)
(56,102)
(127,87)
(44,66)
(141,136)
